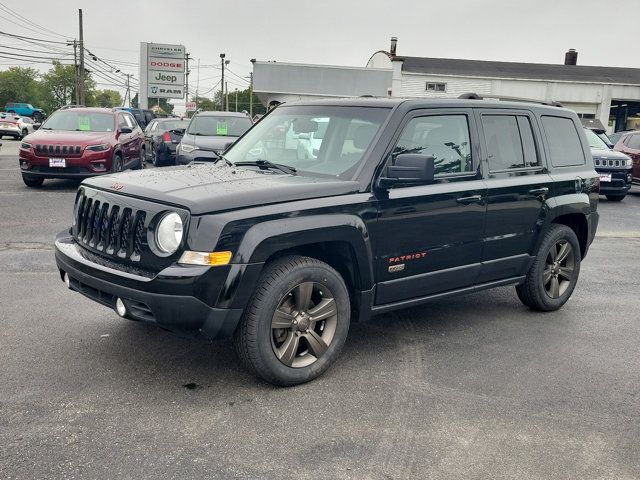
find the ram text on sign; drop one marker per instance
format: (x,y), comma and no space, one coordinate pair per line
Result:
(165,91)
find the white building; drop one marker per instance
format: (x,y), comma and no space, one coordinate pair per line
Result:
(610,94)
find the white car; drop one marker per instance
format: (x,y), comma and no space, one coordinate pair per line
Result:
(16,126)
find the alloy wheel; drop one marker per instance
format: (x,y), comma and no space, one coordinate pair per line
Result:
(559,269)
(304,324)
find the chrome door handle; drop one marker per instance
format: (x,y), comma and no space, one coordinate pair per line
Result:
(469,200)
(539,191)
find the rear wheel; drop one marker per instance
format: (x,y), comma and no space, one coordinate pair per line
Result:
(116,165)
(142,160)
(32,182)
(554,273)
(616,198)
(154,155)
(296,322)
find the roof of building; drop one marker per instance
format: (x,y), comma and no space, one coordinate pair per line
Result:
(529,71)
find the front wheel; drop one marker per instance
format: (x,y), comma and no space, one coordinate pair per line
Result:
(32,182)
(554,273)
(295,323)
(25,132)
(616,198)
(116,165)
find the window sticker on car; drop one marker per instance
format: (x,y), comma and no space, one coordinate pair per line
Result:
(221,128)
(84,124)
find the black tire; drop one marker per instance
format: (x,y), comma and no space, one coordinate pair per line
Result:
(539,294)
(616,198)
(25,132)
(32,182)
(154,156)
(142,160)
(116,164)
(254,337)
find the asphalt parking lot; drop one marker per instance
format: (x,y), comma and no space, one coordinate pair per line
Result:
(479,387)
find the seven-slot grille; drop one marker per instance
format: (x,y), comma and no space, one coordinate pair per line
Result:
(605,162)
(59,150)
(113,230)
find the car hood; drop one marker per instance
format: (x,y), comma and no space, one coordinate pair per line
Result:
(208,143)
(601,153)
(65,137)
(204,188)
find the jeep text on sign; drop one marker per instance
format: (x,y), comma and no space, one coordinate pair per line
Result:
(166,78)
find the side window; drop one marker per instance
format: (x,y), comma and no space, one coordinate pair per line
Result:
(634,142)
(151,127)
(122,123)
(509,140)
(130,121)
(565,147)
(446,137)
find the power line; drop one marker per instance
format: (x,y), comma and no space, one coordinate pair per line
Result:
(29,22)
(33,56)
(30,38)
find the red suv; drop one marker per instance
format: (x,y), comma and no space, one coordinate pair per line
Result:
(80,143)
(629,143)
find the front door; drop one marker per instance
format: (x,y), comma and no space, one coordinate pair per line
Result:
(428,238)
(631,146)
(518,185)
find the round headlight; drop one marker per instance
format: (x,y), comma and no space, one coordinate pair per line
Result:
(169,233)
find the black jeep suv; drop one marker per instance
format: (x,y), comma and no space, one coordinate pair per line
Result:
(402,202)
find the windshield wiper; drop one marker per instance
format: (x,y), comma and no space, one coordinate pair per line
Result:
(227,161)
(267,164)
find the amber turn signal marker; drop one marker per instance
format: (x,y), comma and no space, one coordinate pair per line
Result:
(205,258)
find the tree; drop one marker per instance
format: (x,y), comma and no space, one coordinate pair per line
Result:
(243,101)
(59,86)
(104,98)
(19,84)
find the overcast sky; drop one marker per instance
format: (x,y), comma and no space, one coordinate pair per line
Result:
(337,32)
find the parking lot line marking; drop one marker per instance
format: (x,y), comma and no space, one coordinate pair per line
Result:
(618,235)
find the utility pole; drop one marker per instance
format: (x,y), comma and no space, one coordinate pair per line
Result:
(198,85)
(128,93)
(186,78)
(81,76)
(226,96)
(236,99)
(75,69)
(222,55)
(253,61)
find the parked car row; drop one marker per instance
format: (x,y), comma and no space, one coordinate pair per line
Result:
(25,110)
(80,142)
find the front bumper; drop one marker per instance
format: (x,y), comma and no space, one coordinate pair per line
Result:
(620,181)
(159,300)
(80,167)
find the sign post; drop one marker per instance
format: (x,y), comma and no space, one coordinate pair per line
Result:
(162,69)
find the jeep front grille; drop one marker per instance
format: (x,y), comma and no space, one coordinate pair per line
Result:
(58,150)
(113,230)
(605,162)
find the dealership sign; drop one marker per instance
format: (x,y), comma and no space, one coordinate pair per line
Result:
(162,71)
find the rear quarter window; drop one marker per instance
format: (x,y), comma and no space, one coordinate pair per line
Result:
(565,147)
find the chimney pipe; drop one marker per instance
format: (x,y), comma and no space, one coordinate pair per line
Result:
(571,57)
(394,42)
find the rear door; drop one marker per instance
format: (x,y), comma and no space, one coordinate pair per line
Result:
(518,184)
(428,238)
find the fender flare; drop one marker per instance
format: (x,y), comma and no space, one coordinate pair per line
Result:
(267,238)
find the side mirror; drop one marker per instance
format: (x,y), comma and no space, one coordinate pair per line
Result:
(36,126)
(178,131)
(126,130)
(410,169)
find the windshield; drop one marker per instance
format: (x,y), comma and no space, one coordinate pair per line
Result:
(222,126)
(319,140)
(595,141)
(79,121)
(173,124)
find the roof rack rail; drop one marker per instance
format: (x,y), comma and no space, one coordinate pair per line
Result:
(66,107)
(475,96)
